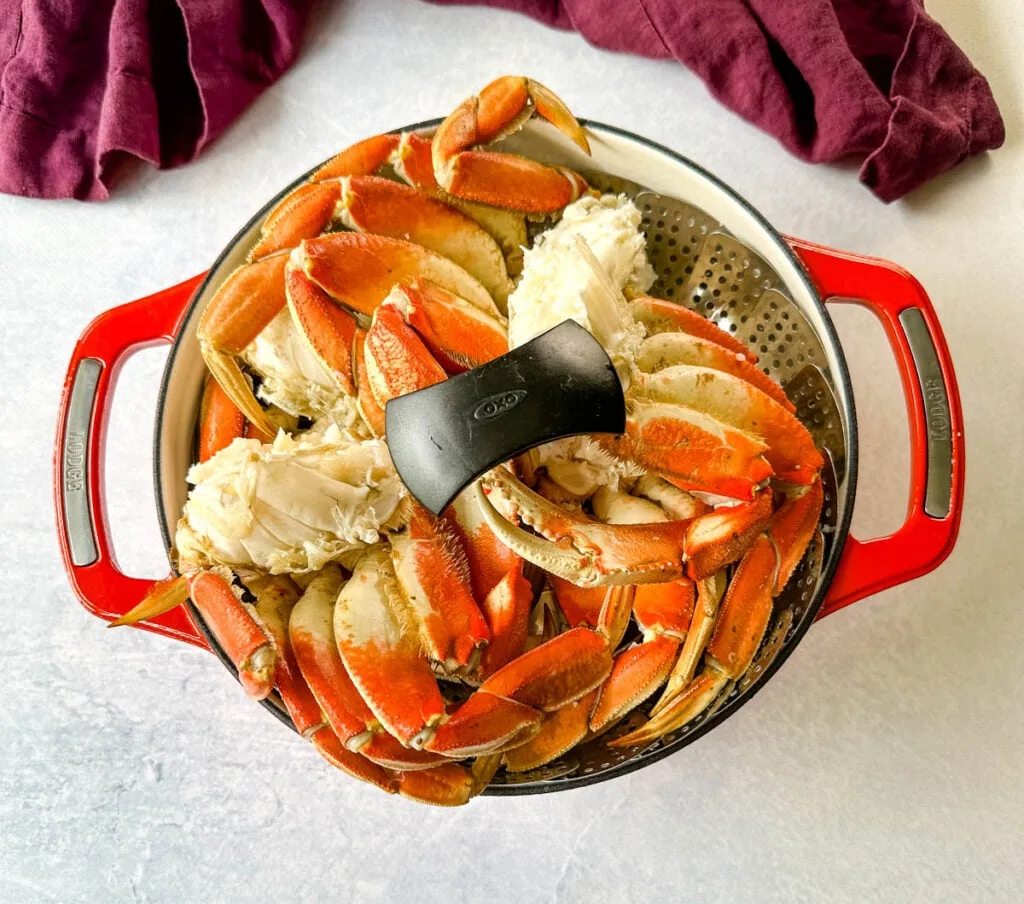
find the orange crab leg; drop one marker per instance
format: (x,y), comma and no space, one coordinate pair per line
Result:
(504,180)
(579,605)
(244,641)
(507,610)
(555,673)
(354,764)
(397,361)
(360,159)
(638,672)
(162,597)
(792,528)
(668,349)
(433,574)
(691,449)
(275,599)
(372,413)
(720,537)
(660,316)
(359,269)
(484,723)
(572,546)
(381,651)
(220,421)
(744,615)
(251,297)
(459,335)
(489,559)
(311,633)
(443,786)
(559,732)
(734,402)
(329,330)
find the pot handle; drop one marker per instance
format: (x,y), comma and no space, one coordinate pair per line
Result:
(936,423)
(78,456)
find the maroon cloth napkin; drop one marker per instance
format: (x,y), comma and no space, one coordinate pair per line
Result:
(878,79)
(83,81)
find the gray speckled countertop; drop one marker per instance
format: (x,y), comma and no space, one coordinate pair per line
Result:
(884,761)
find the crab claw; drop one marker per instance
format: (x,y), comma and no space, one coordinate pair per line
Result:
(380,647)
(720,538)
(458,334)
(246,302)
(433,575)
(484,724)
(397,361)
(232,623)
(359,270)
(668,349)
(559,732)
(659,316)
(447,785)
(572,546)
(555,673)
(735,402)
(220,421)
(507,610)
(692,449)
(504,180)
(311,633)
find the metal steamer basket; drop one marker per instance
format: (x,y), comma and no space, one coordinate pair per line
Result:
(713,253)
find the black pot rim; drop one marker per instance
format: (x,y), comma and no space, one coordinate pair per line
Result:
(840,371)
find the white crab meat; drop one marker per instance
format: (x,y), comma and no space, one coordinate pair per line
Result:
(578,270)
(293,378)
(290,506)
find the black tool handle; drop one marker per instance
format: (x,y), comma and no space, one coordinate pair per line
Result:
(444,437)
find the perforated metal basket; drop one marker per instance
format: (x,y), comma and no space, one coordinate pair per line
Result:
(713,253)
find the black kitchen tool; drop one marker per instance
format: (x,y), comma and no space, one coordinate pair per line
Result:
(444,437)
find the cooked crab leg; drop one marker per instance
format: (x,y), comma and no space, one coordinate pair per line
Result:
(720,537)
(367,405)
(220,421)
(311,632)
(380,648)
(559,732)
(378,206)
(359,270)
(507,610)
(251,297)
(691,449)
(459,335)
(276,598)
(740,405)
(504,180)
(744,614)
(231,621)
(379,641)
(659,316)
(433,574)
(572,546)
(668,349)
(489,559)
(397,362)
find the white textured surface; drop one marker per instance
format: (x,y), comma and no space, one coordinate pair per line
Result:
(883,763)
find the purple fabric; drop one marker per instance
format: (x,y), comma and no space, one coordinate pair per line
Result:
(84,81)
(876,79)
